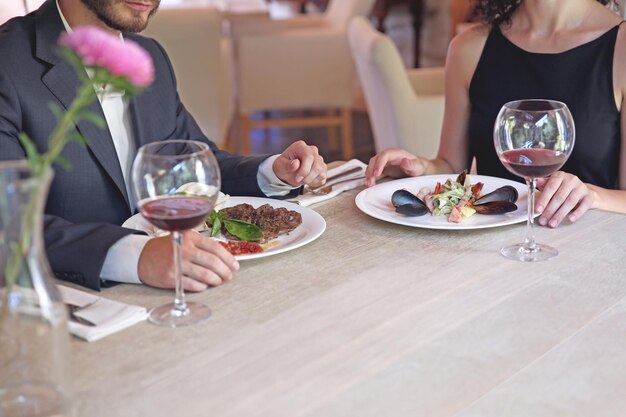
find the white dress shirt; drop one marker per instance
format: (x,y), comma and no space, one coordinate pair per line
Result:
(122,259)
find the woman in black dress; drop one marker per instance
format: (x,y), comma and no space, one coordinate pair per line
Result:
(573,51)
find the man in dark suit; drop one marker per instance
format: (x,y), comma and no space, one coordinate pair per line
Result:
(86,205)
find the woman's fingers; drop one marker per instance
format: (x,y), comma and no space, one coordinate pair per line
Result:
(562,195)
(394,162)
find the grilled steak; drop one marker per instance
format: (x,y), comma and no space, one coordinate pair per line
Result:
(273,222)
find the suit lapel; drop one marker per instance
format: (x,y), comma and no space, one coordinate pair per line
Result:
(63,82)
(137,103)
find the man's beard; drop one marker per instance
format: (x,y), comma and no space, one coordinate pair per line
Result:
(104,10)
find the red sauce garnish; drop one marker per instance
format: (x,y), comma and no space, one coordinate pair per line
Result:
(241,248)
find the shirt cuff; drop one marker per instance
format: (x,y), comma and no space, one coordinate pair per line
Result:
(122,259)
(268,182)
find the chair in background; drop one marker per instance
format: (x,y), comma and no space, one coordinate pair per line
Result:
(301,63)
(203,63)
(405,107)
(12,8)
(416,8)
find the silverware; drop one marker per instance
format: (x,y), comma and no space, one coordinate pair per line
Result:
(326,189)
(334,177)
(72,309)
(343,174)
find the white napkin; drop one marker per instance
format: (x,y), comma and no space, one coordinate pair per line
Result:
(108,316)
(309,198)
(138,222)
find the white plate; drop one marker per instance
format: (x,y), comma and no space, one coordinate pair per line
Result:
(376,202)
(313,225)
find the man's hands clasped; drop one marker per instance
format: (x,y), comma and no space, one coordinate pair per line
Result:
(301,164)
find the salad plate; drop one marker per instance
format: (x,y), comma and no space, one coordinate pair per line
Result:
(312,226)
(376,202)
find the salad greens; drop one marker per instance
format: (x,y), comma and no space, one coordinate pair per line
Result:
(450,194)
(238,228)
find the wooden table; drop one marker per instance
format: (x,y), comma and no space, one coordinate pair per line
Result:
(375,319)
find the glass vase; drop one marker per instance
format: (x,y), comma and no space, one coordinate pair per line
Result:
(35,378)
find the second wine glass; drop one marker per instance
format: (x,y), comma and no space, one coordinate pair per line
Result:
(533,139)
(163,174)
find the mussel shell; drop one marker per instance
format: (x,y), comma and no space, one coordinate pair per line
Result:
(507,193)
(412,210)
(408,204)
(402,197)
(461,178)
(494,207)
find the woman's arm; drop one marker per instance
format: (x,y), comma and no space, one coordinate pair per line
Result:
(615,200)
(564,195)
(463,55)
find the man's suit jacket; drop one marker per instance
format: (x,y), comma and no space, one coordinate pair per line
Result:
(87,204)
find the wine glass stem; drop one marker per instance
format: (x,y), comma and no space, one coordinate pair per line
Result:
(530,243)
(179,300)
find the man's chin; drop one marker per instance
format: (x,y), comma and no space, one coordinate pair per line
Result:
(134,25)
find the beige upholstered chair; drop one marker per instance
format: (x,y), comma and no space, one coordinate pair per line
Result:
(298,64)
(203,63)
(405,106)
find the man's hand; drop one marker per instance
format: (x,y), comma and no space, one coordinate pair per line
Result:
(300,164)
(396,163)
(205,263)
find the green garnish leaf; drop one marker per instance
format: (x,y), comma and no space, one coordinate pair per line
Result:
(238,228)
(243,230)
(215,221)
(217,226)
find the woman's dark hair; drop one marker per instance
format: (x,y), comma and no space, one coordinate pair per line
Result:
(495,12)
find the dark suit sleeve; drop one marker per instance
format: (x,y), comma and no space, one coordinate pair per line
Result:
(76,252)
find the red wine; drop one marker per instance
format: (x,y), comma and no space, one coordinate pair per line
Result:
(176,213)
(533,163)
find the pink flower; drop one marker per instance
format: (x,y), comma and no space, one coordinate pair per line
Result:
(122,58)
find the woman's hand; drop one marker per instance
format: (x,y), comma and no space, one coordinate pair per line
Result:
(396,163)
(562,195)
(205,262)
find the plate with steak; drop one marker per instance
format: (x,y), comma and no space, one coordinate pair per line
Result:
(285,226)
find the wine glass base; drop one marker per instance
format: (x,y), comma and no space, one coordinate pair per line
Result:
(168,315)
(520,252)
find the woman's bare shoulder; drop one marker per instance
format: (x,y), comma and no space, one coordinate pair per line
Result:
(469,43)
(465,50)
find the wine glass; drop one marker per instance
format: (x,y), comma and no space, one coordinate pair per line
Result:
(533,139)
(161,173)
